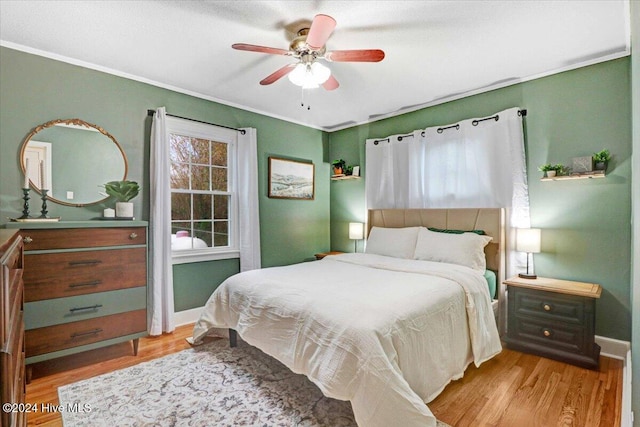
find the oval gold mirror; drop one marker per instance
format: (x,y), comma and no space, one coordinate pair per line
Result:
(73,159)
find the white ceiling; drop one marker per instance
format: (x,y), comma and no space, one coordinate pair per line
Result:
(435,50)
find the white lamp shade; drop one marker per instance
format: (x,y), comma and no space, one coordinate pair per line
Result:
(356,230)
(528,240)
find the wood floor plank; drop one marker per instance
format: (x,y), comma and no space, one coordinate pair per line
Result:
(512,389)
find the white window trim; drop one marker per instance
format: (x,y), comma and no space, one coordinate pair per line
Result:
(206,131)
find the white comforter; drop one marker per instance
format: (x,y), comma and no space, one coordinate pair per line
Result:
(387,334)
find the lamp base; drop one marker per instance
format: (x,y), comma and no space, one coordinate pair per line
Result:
(527,276)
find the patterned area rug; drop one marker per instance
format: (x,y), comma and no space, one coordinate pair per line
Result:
(210,385)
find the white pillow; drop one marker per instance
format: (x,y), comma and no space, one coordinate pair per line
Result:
(464,249)
(394,242)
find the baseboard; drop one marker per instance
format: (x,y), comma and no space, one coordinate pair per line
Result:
(187,316)
(618,349)
(613,348)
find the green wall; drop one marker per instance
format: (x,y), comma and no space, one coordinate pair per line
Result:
(35,90)
(635,290)
(586,223)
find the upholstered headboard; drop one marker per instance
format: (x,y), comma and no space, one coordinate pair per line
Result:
(489,220)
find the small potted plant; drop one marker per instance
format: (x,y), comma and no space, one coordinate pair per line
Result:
(123,192)
(338,166)
(560,169)
(601,159)
(548,170)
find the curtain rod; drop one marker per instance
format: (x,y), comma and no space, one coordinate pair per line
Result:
(521,113)
(242,131)
(475,122)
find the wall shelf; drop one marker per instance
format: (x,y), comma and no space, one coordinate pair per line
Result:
(343,177)
(597,174)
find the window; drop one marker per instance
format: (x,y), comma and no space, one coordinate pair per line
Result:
(203,191)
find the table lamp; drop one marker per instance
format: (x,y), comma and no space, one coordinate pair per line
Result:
(356,232)
(528,240)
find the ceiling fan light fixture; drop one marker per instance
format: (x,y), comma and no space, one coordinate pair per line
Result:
(309,76)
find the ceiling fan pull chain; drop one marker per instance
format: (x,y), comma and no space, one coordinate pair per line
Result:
(302,99)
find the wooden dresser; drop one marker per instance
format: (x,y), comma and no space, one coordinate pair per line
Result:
(553,318)
(85,286)
(12,372)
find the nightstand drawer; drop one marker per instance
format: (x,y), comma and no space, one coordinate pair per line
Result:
(548,334)
(551,306)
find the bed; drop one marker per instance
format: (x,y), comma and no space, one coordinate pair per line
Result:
(381,329)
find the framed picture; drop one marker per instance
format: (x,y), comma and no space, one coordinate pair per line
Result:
(291,179)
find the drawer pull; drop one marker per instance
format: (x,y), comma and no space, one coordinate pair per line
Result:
(83,334)
(91,307)
(133,236)
(546,307)
(80,285)
(546,333)
(27,239)
(84,262)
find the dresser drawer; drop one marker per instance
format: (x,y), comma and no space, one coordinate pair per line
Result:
(65,310)
(63,274)
(83,238)
(550,306)
(60,337)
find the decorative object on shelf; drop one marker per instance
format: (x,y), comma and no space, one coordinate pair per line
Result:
(25,197)
(582,164)
(551,171)
(356,171)
(291,179)
(123,192)
(338,167)
(108,213)
(44,211)
(601,159)
(528,240)
(356,232)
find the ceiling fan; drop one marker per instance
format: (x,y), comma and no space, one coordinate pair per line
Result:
(308,47)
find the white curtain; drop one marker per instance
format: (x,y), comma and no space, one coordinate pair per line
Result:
(463,165)
(249,215)
(161,283)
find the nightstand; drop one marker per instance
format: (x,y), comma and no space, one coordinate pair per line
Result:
(324,254)
(553,318)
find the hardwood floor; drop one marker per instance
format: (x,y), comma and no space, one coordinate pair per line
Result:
(513,389)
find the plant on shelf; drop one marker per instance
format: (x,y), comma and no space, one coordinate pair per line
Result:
(349,170)
(123,192)
(338,166)
(601,159)
(553,170)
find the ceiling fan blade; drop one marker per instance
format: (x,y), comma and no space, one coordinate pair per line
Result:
(321,28)
(362,55)
(261,49)
(331,83)
(277,75)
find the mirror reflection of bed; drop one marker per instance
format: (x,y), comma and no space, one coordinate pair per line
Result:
(406,317)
